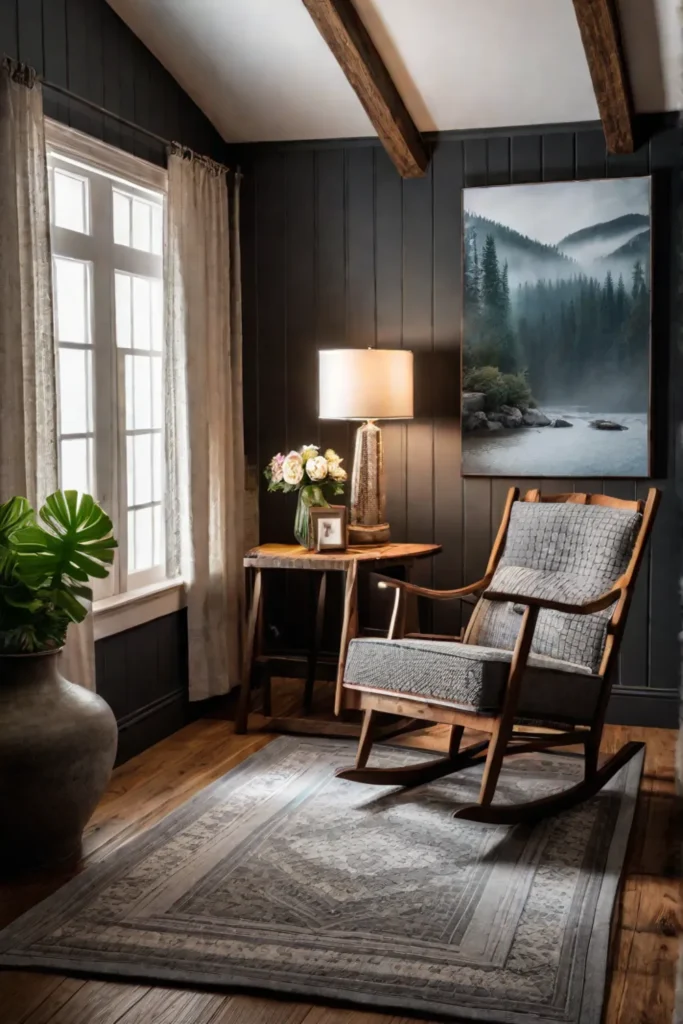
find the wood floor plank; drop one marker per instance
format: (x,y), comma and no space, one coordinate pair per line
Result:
(253,1010)
(95,1002)
(22,993)
(174,1006)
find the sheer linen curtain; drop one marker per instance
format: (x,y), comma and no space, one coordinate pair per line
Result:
(204,434)
(28,365)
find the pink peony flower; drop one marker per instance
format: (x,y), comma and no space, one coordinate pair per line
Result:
(276,464)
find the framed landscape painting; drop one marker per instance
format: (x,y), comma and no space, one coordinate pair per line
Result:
(556,329)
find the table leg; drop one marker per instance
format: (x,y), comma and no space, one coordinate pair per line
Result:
(349,630)
(320,593)
(248,660)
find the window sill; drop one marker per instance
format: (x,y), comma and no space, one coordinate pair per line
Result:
(125,611)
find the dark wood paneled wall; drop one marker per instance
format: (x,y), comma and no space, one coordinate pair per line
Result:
(338,250)
(85,47)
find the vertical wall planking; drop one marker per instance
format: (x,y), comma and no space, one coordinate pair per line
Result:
(407,272)
(447,178)
(388,230)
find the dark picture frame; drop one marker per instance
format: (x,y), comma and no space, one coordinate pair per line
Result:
(329,528)
(597,381)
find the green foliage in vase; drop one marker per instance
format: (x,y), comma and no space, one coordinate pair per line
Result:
(46,563)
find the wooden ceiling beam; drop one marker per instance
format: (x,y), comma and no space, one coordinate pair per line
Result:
(599,27)
(342,29)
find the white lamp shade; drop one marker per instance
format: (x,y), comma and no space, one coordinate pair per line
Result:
(365,384)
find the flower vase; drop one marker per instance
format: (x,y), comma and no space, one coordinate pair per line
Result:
(309,497)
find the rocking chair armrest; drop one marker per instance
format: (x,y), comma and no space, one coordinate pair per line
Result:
(386,582)
(598,604)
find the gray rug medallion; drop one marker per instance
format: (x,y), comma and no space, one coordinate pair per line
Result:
(282,879)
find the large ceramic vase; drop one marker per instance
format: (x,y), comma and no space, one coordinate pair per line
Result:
(57,750)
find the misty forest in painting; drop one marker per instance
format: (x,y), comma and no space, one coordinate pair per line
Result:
(556,350)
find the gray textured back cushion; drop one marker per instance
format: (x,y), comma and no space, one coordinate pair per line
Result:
(563,552)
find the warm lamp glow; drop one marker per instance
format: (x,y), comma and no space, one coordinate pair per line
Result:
(365,384)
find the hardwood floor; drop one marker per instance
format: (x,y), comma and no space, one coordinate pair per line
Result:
(642,981)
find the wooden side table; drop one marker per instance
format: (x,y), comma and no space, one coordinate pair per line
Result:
(352,562)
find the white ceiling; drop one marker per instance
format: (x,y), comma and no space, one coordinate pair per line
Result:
(261,72)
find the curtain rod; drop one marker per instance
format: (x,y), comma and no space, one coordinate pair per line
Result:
(167,143)
(105,112)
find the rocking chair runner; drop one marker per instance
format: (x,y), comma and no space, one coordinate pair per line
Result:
(540,649)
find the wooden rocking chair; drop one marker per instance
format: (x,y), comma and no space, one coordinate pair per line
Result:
(540,649)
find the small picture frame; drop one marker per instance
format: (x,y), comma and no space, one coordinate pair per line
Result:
(328,528)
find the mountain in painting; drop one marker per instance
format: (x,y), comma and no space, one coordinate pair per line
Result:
(527,258)
(600,240)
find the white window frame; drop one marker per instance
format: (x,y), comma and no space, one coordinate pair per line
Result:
(137,177)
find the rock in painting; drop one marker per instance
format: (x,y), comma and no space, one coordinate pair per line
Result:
(559,422)
(535,418)
(607,425)
(475,421)
(472,401)
(510,416)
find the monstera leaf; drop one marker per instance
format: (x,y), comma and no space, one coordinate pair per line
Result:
(45,566)
(75,544)
(14,515)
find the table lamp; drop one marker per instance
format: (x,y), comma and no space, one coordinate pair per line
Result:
(366,384)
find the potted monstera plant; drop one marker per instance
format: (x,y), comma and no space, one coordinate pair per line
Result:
(57,739)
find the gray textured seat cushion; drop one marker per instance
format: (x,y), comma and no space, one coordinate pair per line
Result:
(472,678)
(559,551)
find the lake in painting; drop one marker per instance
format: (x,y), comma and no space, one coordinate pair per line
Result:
(556,356)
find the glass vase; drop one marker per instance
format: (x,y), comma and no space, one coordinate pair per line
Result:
(309,497)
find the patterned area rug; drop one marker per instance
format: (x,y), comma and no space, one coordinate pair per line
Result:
(281,878)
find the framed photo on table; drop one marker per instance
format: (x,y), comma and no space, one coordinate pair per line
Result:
(328,528)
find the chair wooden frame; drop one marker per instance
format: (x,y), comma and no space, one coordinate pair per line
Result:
(505,737)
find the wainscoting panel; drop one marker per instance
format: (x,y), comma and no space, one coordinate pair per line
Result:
(339,251)
(142,674)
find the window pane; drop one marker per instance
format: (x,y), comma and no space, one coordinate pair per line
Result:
(157,468)
(75,467)
(157,229)
(71,201)
(121,218)
(123,310)
(144,539)
(75,391)
(157,394)
(71,296)
(138,393)
(131,542)
(142,225)
(142,313)
(159,554)
(140,480)
(157,316)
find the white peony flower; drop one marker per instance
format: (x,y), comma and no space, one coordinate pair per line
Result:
(336,471)
(332,456)
(293,469)
(317,468)
(309,451)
